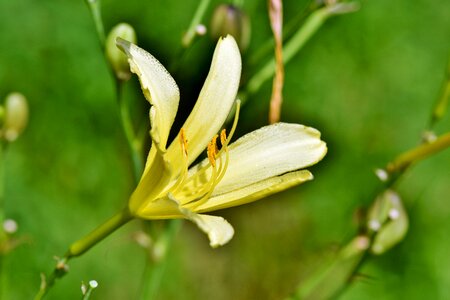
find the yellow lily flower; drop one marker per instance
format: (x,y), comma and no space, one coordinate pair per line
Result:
(258,164)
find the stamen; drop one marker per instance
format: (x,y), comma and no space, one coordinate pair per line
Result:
(235,121)
(224,142)
(212,151)
(223,137)
(184,152)
(205,189)
(183,142)
(194,198)
(221,172)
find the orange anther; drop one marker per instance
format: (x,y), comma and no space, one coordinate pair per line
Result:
(183,141)
(223,137)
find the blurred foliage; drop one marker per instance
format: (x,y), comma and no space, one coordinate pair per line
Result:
(367,81)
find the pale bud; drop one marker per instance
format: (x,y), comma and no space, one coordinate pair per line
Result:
(117,59)
(394,229)
(378,213)
(15,117)
(356,246)
(382,174)
(229,19)
(93,284)
(84,288)
(10,226)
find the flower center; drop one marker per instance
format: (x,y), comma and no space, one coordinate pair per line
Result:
(194,187)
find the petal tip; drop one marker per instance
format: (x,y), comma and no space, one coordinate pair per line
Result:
(123,45)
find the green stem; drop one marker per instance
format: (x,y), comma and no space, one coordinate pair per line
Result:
(440,108)
(89,290)
(196,20)
(298,40)
(423,151)
(98,234)
(288,30)
(134,142)
(154,272)
(94,7)
(83,245)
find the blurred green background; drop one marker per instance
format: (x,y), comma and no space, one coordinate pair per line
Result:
(366,80)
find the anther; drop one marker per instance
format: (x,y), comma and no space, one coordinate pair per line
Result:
(223,137)
(183,141)
(212,151)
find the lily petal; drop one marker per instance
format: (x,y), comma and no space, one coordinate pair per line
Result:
(270,151)
(214,102)
(255,191)
(219,231)
(159,89)
(157,176)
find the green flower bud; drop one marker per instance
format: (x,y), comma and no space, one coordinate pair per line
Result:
(229,19)
(117,59)
(356,246)
(15,116)
(379,212)
(394,229)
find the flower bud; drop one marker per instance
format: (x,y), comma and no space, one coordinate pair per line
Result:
(229,19)
(394,229)
(117,59)
(356,246)
(15,117)
(379,212)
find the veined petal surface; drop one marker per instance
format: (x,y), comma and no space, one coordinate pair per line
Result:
(158,87)
(214,102)
(270,151)
(156,178)
(255,191)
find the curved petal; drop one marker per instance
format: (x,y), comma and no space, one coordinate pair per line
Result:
(166,207)
(159,89)
(255,191)
(156,178)
(219,231)
(214,102)
(270,151)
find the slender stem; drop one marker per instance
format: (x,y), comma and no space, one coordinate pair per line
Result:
(83,245)
(288,30)
(134,141)
(312,24)
(98,234)
(423,151)
(276,22)
(189,36)
(440,108)
(298,40)
(154,273)
(94,7)
(87,296)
